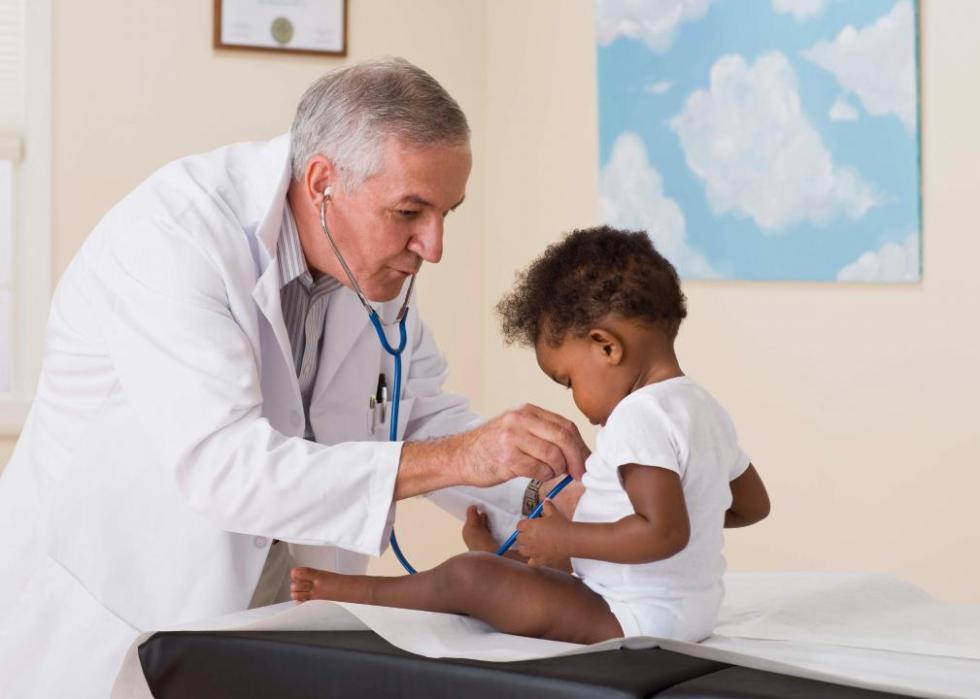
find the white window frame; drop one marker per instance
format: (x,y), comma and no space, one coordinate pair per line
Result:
(31,258)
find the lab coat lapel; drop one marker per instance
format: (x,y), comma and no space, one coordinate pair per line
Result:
(267,291)
(269,300)
(272,174)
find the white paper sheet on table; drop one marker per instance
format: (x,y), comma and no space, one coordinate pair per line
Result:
(864,630)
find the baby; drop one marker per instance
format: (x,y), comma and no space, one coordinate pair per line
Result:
(642,554)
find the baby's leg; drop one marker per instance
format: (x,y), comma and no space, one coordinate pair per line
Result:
(509,595)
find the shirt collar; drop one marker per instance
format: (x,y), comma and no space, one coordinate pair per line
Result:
(292,262)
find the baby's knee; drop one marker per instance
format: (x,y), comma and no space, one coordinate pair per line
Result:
(465,574)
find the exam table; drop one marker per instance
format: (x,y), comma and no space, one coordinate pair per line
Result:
(304,664)
(799,635)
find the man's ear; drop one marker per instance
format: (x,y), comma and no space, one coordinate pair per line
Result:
(608,344)
(320,174)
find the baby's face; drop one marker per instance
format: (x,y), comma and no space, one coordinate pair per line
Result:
(577,363)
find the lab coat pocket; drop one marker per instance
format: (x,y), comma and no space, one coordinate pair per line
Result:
(378,420)
(333,424)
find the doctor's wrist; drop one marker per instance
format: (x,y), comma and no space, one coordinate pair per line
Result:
(428,466)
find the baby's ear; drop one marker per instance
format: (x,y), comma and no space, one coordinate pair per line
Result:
(607,344)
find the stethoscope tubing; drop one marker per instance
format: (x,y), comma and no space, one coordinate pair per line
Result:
(535,513)
(396,353)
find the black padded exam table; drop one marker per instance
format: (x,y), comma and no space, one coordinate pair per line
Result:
(308,664)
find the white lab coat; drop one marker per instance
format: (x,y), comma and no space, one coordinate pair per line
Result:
(164,448)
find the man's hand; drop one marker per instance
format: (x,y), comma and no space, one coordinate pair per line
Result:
(529,441)
(542,540)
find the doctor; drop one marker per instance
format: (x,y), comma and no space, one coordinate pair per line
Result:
(202,419)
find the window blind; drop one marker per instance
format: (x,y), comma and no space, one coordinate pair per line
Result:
(12,28)
(12,122)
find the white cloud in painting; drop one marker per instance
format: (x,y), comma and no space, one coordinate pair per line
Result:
(800,9)
(631,196)
(842,110)
(892,262)
(658,88)
(654,22)
(747,138)
(876,63)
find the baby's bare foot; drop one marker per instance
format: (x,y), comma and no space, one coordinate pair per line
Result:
(476,531)
(309,583)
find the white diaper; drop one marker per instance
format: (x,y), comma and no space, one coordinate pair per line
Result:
(690,619)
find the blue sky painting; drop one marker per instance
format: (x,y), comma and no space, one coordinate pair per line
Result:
(764,139)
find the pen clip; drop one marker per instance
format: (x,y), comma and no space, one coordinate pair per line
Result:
(381,396)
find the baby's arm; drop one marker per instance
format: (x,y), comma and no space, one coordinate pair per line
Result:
(750,502)
(659,528)
(477,537)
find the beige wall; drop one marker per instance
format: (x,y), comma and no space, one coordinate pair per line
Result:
(152,89)
(856,403)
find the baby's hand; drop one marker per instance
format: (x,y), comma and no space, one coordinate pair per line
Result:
(542,540)
(476,531)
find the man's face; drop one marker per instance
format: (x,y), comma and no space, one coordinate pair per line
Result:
(392,222)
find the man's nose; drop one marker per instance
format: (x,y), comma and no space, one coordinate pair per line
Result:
(427,242)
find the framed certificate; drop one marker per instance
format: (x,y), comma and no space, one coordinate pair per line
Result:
(294,26)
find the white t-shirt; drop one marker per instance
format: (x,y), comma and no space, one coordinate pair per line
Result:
(678,426)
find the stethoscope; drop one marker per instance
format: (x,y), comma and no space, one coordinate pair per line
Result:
(396,354)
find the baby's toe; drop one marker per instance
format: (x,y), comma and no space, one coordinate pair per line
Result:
(302,574)
(301,586)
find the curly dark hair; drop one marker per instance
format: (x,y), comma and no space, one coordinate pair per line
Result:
(586,276)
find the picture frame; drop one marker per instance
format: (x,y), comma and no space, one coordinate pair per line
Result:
(758,140)
(304,27)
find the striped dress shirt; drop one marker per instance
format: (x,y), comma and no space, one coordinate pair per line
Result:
(304,308)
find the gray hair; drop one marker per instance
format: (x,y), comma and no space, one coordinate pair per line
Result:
(350,112)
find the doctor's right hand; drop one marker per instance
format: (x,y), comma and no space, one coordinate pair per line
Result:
(529,441)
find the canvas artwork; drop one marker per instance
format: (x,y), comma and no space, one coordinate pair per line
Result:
(764,139)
